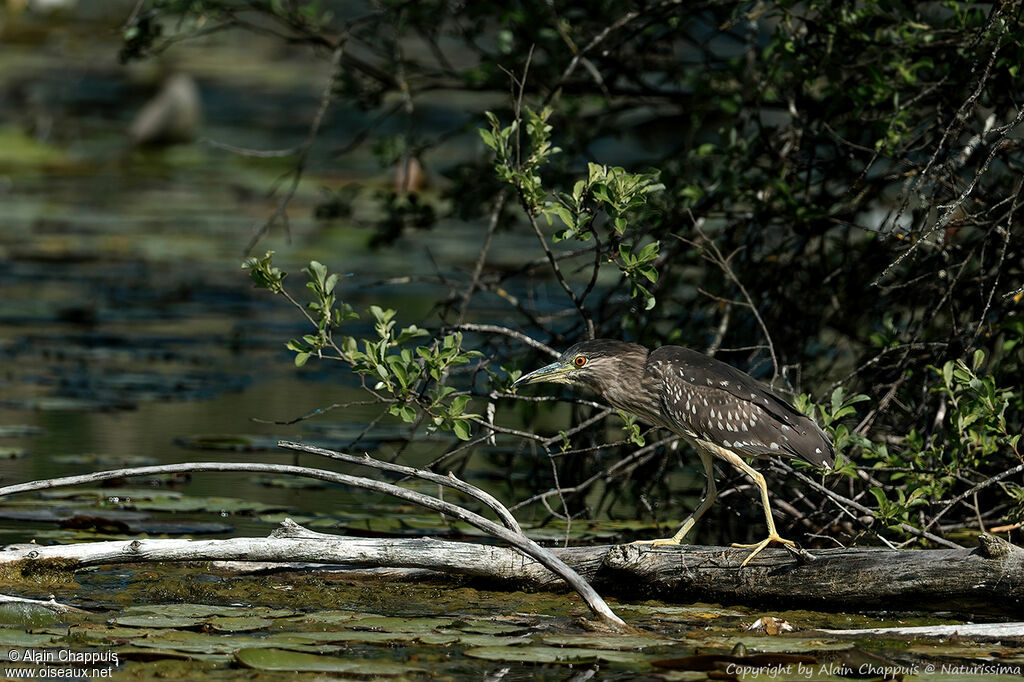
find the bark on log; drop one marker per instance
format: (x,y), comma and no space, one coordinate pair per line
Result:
(989,579)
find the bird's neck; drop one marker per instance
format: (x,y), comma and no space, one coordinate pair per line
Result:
(632,393)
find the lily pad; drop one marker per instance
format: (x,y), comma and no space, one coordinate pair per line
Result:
(483,627)
(602,641)
(97,634)
(485,640)
(156,621)
(770,644)
(108,517)
(348,636)
(284,660)
(13,637)
(330,618)
(554,654)
(200,642)
(115,496)
(146,653)
(396,624)
(215,505)
(445,639)
(98,460)
(238,623)
(208,610)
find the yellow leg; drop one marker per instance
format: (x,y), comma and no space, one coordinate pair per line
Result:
(710,494)
(773,535)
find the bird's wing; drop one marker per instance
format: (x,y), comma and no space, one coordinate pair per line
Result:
(719,403)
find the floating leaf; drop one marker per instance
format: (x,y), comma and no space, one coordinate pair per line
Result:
(153,620)
(283,660)
(331,618)
(489,640)
(208,610)
(364,636)
(12,637)
(491,628)
(602,641)
(553,654)
(103,460)
(238,623)
(396,624)
(200,642)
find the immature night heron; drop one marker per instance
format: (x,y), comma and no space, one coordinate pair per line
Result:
(720,410)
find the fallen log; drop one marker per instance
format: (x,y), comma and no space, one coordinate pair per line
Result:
(988,579)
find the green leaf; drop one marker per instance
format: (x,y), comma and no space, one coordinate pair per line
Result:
(317,270)
(563,213)
(380,315)
(577,190)
(488,138)
(649,252)
(880,497)
(301,358)
(459,405)
(461,429)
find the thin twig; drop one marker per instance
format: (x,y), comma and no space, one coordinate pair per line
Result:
(474,283)
(860,507)
(511,333)
(980,486)
(717,258)
(314,413)
(327,95)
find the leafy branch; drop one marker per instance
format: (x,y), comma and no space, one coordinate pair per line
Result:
(411,378)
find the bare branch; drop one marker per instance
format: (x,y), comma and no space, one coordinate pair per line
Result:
(519,541)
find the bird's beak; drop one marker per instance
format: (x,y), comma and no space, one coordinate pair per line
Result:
(554,373)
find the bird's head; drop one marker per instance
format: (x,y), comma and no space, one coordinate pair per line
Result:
(599,364)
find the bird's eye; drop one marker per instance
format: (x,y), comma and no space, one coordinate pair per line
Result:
(579,361)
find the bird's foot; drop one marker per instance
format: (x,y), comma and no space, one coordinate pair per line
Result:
(757,547)
(656,543)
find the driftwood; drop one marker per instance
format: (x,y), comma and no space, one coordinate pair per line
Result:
(987,579)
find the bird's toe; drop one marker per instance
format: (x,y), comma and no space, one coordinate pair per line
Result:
(657,543)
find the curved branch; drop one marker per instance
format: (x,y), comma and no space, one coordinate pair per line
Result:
(520,542)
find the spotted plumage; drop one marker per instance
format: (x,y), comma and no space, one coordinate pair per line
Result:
(722,411)
(721,404)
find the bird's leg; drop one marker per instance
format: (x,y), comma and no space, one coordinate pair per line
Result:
(710,494)
(773,535)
